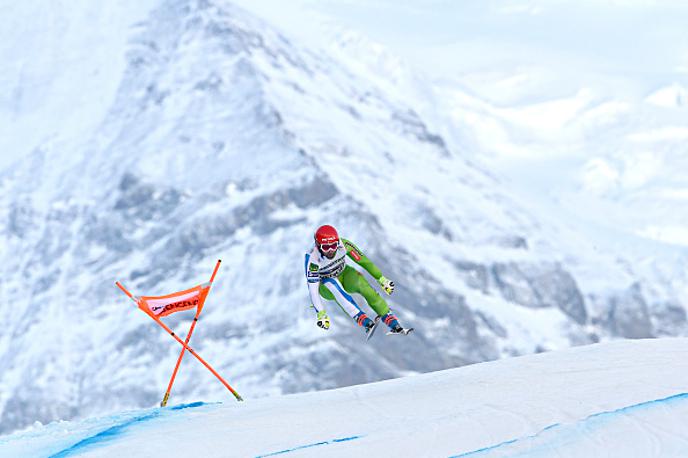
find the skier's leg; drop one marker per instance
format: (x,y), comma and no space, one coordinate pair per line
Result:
(354,282)
(324,292)
(345,301)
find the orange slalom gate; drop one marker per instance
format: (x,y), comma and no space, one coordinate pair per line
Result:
(163,403)
(157,307)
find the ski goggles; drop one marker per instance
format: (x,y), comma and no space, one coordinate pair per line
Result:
(329,246)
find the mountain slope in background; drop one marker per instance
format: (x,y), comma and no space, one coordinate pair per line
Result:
(620,399)
(225,139)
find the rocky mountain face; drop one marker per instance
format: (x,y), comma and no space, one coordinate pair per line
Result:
(226,140)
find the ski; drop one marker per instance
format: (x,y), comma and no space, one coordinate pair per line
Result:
(403,332)
(371,331)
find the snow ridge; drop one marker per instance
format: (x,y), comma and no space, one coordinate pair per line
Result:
(547,438)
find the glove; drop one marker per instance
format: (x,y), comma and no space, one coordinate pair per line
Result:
(387,284)
(323,320)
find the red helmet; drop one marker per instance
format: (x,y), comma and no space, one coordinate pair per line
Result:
(326,238)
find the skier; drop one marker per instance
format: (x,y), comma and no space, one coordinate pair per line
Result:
(329,276)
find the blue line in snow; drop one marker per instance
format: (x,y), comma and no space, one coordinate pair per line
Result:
(301,447)
(190,405)
(116,430)
(680,396)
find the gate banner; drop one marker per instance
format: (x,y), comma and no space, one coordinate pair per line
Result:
(160,306)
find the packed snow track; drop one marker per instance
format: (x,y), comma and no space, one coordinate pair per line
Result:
(625,398)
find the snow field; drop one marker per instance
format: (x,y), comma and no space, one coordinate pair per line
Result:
(625,398)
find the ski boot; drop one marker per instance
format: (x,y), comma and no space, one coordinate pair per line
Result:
(367,324)
(394,326)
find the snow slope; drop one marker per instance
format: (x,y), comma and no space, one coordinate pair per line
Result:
(625,398)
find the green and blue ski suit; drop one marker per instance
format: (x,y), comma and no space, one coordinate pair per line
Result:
(334,280)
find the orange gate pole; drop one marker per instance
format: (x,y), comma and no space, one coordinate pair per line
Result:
(193,352)
(163,403)
(196,355)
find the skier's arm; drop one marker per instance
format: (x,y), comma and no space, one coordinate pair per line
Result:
(362,260)
(313,290)
(313,279)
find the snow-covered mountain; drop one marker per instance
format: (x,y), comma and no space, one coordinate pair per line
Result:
(614,399)
(613,160)
(225,139)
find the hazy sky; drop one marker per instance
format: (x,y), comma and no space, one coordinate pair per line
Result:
(55,81)
(446,37)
